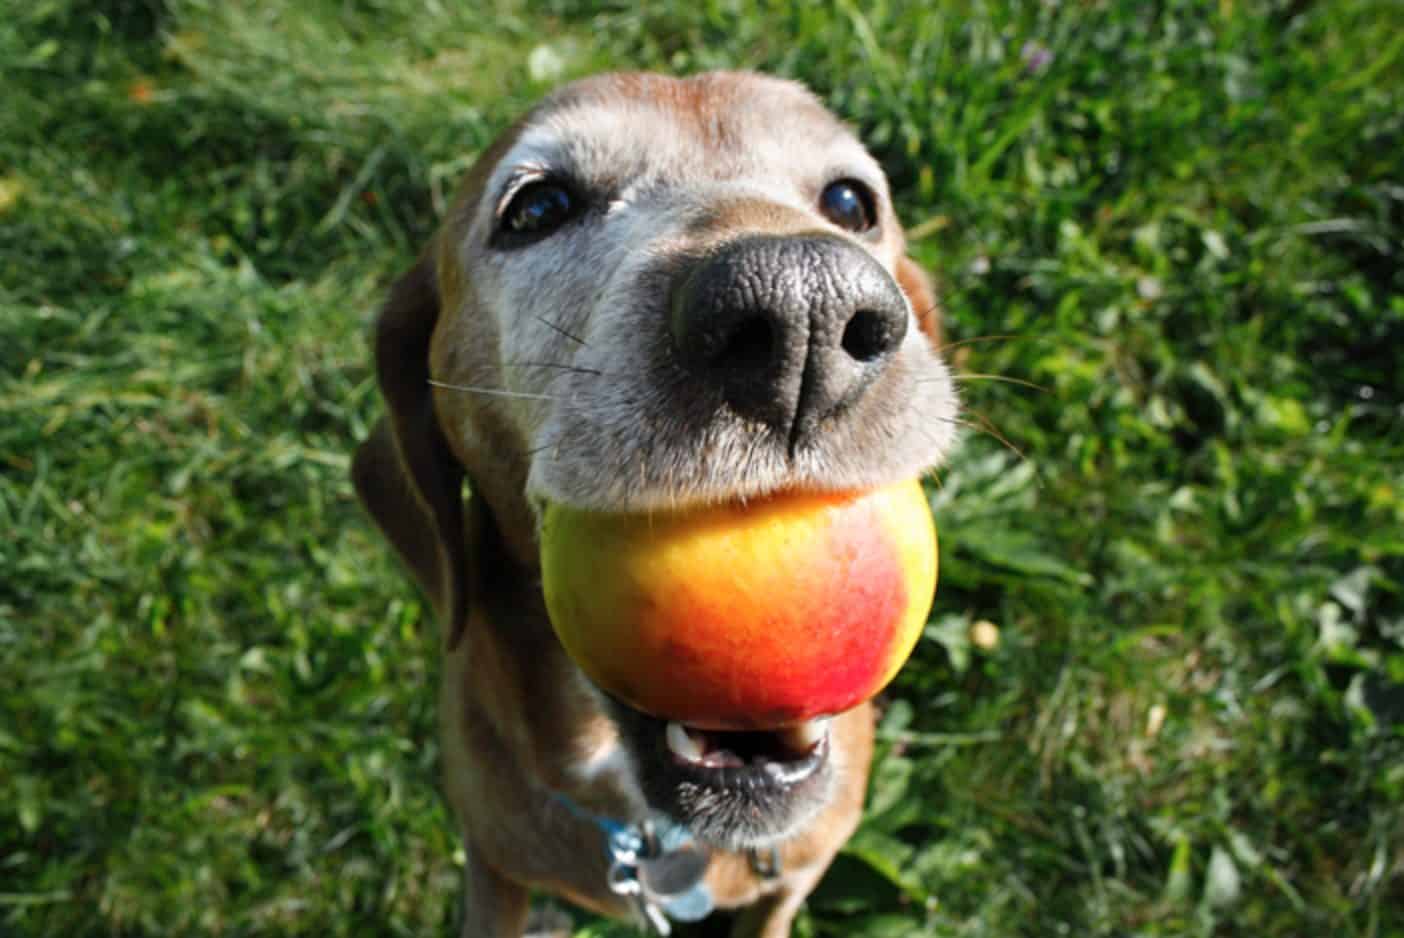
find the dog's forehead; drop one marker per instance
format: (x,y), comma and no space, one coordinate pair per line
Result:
(635,129)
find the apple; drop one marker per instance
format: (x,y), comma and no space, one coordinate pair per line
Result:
(755,614)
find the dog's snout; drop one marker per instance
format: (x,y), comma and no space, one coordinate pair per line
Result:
(788,330)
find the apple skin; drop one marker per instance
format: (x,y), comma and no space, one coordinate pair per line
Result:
(748,615)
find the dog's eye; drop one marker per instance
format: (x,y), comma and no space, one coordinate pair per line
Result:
(849,204)
(537,209)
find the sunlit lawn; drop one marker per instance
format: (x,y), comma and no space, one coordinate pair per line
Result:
(1162,688)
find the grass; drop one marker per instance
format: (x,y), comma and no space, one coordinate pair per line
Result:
(1163,689)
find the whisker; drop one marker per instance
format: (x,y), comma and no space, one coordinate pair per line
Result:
(563,331)
(984,426)
(562,367)
(979,338)
(973,376)
(491,392)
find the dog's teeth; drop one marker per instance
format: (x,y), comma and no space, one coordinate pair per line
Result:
(682,743)
(805,736)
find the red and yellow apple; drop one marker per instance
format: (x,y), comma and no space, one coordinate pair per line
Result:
(749,615)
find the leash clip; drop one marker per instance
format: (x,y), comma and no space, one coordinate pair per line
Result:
(659,873)
(627,846)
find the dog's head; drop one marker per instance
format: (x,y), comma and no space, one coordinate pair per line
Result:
(655,292)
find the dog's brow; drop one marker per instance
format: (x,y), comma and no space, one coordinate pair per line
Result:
(536,154)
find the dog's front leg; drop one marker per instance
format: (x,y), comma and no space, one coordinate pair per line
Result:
(493,906)
(772,916)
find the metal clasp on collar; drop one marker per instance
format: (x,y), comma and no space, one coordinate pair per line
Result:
(659,867)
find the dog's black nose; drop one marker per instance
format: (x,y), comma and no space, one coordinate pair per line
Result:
(789,330)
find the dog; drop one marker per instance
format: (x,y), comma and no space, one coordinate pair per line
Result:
(649,293)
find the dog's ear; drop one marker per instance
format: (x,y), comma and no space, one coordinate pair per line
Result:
(922,295)
(404,472)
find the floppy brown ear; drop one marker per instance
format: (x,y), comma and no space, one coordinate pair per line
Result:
(404,472)
(922,295)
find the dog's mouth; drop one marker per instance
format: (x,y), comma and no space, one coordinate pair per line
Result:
(734,789)
(773,757)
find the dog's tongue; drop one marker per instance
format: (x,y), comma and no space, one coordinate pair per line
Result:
(745,616)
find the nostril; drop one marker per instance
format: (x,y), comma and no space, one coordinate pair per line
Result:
(749,347)
(868,336)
